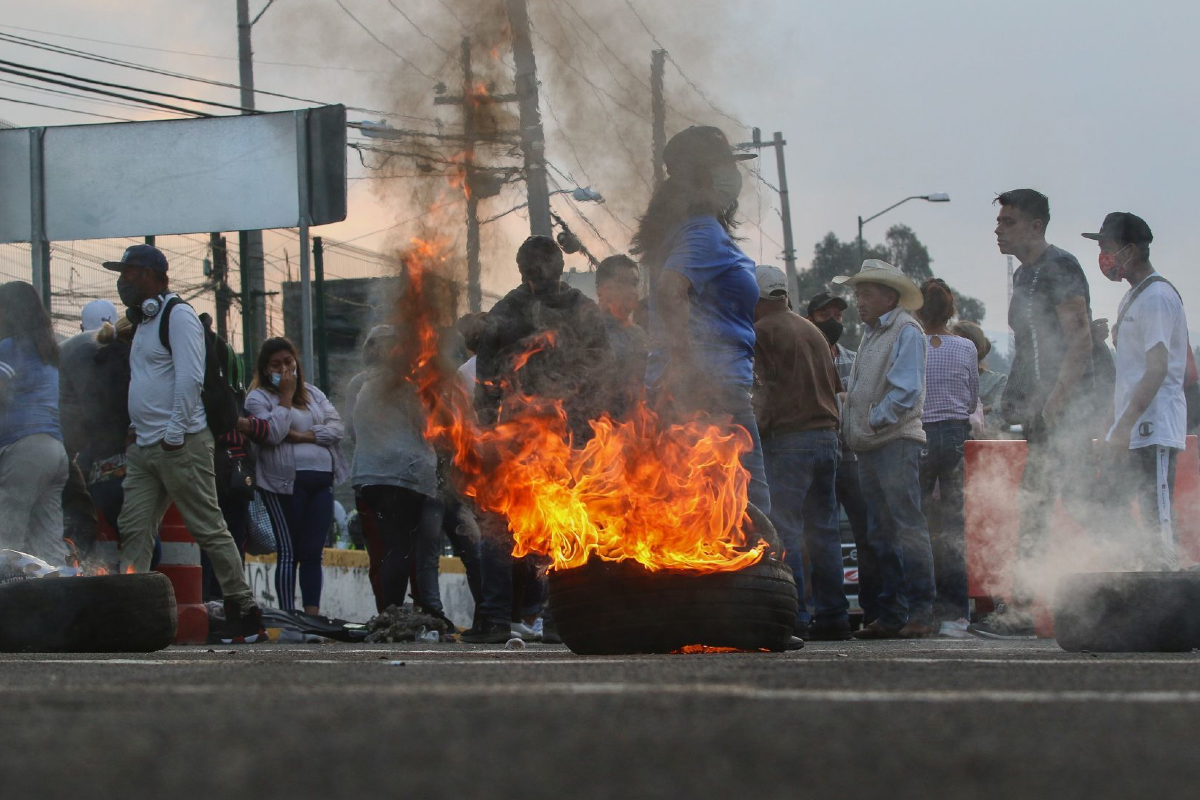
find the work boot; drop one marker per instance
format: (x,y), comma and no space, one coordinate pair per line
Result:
(488,631)
(830,630)
(876,630)
(241,627)
(916,630)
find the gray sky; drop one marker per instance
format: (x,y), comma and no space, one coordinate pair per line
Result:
(1089,101)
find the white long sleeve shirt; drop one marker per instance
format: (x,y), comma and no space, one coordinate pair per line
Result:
(164,387)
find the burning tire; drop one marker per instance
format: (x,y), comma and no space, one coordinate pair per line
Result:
(102,614)
(1128,612)
(605,608)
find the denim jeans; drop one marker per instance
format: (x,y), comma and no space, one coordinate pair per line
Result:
(442,517)
(736,402)
(943,466)
(850,497)
(397,513)
(801,469)
(891,485)
(502,597)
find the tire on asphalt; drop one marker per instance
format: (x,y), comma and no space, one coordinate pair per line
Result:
(100,614)
(607,608)
(1128,612)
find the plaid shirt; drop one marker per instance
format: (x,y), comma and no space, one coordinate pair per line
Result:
(951,379)
(844,362)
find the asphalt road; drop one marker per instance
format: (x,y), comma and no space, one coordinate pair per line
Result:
(948,718)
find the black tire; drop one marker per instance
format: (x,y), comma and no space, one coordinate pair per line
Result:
(607,608)
(761,525)
(1128,612)
(101,614)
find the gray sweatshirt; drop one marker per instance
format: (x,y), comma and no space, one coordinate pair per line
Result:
(395,453)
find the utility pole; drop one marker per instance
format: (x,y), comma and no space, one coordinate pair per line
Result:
(220,275)
(250,246)
(533,143)
(474,290)
(785,206)
(658,62)
(319,301)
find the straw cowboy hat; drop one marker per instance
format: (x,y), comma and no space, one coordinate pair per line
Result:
(875,271)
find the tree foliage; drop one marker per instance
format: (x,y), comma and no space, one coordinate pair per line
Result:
(901,247)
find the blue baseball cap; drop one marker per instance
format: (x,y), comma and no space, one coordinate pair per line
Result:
(140,255)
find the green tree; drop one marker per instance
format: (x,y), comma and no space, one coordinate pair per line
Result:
(901,247)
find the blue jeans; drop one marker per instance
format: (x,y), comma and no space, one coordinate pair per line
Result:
(943,466)
(850,497)
(736,402)
(442,517)
(801,469)
(891,485)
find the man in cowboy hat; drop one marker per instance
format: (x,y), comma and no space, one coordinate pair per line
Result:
(882,424)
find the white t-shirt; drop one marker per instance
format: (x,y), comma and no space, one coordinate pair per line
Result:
(1156,317)
(467,371)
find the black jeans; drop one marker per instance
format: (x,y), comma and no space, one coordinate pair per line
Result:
(942,466)
(850,498)
(440,518)
(397,513)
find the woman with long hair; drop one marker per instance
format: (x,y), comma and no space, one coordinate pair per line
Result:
(299,462)
(951,396)
(703,290)
(33,463)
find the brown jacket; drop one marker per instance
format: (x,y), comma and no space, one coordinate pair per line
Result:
(795,381)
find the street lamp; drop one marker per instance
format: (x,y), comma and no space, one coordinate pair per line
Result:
(936,197)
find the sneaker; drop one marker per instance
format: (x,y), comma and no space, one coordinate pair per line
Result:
(955,629)
(539,627)
(526,632)
(830,630)
(802,630)
(241,627)
(488,631)
(876,630)
(1005,622)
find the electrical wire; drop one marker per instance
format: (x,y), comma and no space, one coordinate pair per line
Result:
(60,108)
(45,90)
(142,100)
(62,50)
(417,28)
(384,44)
(461,24)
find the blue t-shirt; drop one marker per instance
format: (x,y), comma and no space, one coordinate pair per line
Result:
(724,294)
(28,393)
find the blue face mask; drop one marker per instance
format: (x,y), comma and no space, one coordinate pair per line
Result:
(275,378)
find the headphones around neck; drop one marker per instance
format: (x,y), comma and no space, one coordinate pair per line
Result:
(150,308)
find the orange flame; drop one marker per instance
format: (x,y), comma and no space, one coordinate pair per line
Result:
(666,496)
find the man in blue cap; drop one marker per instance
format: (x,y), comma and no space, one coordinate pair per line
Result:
(170,459)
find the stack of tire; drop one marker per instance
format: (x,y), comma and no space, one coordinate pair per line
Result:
(100,614)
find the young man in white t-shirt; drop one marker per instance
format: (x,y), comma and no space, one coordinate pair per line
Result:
(1149,415)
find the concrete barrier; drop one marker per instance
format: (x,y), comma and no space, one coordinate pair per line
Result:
(346,592)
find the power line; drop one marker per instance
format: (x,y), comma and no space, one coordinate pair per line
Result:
(187,53)
(62,50)
(60,108)
(127,88)
(384,44)
(446,6)
(417,28)
(682,74)
(103,92)
(45,90)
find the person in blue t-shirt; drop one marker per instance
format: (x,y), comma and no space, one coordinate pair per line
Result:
(33,463)
(703,289)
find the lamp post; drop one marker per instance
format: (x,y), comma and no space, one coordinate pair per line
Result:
(936,197)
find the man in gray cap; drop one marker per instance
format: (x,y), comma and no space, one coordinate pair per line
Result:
(795,404)
(1148,419)
(882,424)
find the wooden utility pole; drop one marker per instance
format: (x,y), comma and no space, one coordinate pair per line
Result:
(250,246)
(220,276)
(533,142)
(474,290)
(658,61)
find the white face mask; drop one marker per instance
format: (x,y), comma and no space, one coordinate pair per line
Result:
(727,183)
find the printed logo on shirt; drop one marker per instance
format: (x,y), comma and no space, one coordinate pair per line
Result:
(1146,429)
